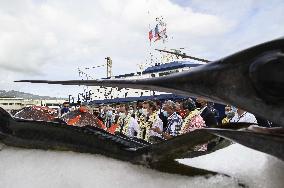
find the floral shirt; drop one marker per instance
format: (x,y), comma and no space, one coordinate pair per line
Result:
(174,124)
(192,121)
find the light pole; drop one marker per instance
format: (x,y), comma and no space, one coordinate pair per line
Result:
(109,67)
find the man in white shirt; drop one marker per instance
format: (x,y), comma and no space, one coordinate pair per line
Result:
(133,127)
(243,116)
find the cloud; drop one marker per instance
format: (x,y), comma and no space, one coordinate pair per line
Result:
(51,32)
(51,39)
(251,22)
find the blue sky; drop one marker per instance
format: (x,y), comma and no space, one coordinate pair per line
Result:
(50,39)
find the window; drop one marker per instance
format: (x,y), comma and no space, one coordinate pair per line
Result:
(164,73)
(168,72)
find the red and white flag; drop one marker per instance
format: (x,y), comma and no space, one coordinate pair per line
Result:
(150,35)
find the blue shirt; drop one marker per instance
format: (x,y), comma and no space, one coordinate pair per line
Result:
(64,110)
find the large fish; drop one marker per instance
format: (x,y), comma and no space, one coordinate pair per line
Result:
(252,79)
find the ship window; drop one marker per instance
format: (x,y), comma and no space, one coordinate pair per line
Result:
(168,72)
(164,73)
(153,75)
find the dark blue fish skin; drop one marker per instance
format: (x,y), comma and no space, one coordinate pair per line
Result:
(251,79)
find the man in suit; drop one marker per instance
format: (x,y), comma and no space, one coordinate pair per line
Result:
(206,113)
(209,117)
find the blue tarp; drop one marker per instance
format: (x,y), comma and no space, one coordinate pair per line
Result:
(162,67)
(142,98)
(171,66)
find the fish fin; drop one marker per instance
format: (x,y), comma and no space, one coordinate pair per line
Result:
(174,167)
(176,147)
(272,144)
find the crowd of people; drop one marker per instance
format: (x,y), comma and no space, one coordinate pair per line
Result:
(154,121)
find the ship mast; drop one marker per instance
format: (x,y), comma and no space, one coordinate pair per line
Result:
(183,55)
(109,66)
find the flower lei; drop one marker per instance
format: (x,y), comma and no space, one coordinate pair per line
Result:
(152,119)
(187,120)
(190,124)
(147,125)
(142,126)
(125,126)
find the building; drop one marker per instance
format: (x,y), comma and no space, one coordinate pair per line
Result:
(12,103)
(18,103)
